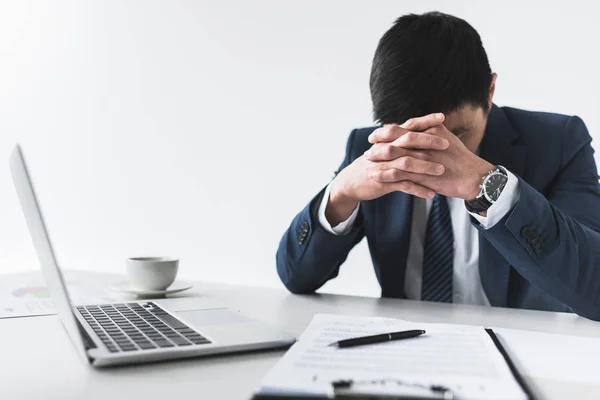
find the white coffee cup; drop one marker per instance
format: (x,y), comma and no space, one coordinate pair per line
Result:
(151,273)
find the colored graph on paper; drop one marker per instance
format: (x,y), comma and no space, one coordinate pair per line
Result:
(26,294)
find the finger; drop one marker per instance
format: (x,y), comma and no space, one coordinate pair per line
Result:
(391,175)
(417,166)
(413,188)
(420,140)
(398,169)
(387,133)
(423,123)
(384,152)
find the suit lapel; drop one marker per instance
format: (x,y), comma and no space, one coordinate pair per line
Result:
(499,146)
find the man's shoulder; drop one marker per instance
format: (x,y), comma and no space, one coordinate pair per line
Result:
(536,125)
(549,133)
(520,115)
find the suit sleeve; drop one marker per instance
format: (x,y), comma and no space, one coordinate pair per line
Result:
(553,241)
(309,255)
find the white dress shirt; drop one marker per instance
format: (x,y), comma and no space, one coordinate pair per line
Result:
(466,283)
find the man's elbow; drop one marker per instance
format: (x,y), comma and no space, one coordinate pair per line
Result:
(298,288)
(594,317)
(591,312)
(290,279)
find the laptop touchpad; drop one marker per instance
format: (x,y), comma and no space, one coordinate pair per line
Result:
(217,316)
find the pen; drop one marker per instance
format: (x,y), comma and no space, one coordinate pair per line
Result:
(381,338)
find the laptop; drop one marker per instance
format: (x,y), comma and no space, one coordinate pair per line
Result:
(138,331)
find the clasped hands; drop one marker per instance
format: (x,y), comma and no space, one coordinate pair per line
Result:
(420,157)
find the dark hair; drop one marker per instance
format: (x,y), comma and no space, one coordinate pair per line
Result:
(428,63)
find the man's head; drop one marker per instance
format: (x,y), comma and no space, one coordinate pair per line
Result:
(430,63)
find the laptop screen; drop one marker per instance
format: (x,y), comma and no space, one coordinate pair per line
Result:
(43,246)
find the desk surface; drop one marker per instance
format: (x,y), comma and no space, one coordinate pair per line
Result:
(38,361)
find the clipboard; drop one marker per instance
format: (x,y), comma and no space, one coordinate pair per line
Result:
(372,390)
(395,388)
(511,365)
(389,389)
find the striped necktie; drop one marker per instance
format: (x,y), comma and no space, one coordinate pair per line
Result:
(438,254)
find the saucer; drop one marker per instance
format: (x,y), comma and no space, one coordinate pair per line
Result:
(125,287)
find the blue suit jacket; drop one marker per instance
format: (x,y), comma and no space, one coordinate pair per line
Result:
(559,205)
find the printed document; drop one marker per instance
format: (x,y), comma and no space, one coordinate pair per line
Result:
(26,294)
(461,358)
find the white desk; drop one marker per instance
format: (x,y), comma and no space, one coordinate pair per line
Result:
(37,361)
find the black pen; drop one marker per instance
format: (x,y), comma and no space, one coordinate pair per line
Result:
(381,338)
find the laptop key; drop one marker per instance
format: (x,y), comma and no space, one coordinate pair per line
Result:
(179,341)
(172,321)
(193,336)
(163,343)
(200,341)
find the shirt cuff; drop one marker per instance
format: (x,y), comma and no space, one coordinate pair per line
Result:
(507,200)
(343,227)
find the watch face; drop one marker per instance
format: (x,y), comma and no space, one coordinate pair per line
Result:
(493,186)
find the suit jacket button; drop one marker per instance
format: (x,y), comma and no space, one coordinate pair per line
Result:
(527,232)
(304,226)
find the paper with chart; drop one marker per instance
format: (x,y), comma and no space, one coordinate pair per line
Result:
(462,358)
(26,294)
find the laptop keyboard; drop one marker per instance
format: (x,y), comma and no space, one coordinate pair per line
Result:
(135,327)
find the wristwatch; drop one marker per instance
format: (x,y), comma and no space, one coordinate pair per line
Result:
(491,187)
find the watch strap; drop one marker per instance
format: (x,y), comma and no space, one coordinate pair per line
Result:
(478,205)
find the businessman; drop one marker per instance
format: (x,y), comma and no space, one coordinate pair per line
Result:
(459,200)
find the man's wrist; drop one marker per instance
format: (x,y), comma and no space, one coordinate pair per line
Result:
(473,186)
(340,205)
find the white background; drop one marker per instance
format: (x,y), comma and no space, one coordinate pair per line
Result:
(200,128)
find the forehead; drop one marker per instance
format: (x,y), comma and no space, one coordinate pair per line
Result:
(464,119)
